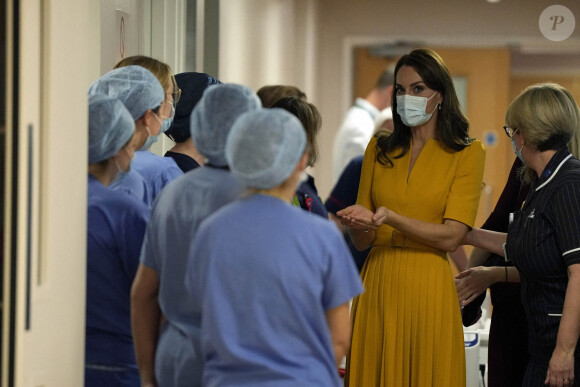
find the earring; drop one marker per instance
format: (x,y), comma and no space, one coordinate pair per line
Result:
(438,106)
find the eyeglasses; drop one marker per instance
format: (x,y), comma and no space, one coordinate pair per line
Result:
(176,96)
(176,92)
(510,131)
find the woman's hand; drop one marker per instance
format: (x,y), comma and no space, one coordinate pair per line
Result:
(357,217)
(561,369)
(473,282)
(381,216)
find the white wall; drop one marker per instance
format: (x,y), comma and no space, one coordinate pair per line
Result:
(120,39)
(153,27)
(268,42)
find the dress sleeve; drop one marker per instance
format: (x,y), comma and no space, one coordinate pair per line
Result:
(566,214)
(465,191)
(365,189)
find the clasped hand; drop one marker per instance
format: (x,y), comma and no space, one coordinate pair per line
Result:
(361,218)
(471,283)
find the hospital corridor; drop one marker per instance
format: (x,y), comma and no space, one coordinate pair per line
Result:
(289,193)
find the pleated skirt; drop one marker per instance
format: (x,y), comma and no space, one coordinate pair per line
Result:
(407,327)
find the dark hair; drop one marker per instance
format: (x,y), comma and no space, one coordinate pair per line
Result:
(272,93)
(310,118)
(452,126)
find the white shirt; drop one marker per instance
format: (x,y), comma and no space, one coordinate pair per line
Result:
(354,135)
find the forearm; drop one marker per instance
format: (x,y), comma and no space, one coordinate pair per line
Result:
(445,236)
(513,274)
(569,329)
(339,325)
(477,257)
(503,274)
(492,241)
(459,258)
(361,240)
(145,317)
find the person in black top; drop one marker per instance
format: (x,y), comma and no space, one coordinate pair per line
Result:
(192,86)
(508,333)
(543,240)
(343,195)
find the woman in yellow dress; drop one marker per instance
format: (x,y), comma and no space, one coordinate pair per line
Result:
(418,197)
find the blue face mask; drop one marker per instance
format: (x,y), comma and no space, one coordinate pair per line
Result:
(152,139)
(516,151)
(120,173)
(168,121)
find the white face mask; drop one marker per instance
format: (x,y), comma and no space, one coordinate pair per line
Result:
(412,109)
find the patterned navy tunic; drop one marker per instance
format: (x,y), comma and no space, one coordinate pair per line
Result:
(543,240)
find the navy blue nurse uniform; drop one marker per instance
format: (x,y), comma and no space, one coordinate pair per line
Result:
(543,240)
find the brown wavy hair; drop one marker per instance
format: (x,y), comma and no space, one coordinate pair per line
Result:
(452,126)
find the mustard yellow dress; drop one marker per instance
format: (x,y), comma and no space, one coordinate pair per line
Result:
(407,327)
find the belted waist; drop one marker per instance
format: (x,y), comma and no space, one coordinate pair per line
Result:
(399,240)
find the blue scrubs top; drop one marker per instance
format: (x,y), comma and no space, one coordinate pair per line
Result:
(265,273)
(175,217)
(116,226)
(132,184)
(157,172)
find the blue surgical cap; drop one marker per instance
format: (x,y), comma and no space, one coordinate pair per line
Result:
(192,86)
(214,115)
(265,146)
(110,127)
(135,86)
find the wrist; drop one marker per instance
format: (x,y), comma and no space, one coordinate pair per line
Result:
(388,217)
(498,274)
(468,240)
(564,349)
(565,344)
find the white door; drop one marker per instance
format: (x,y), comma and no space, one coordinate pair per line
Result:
(48,69)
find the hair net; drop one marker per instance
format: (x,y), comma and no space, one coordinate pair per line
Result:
(264,147)
(214,115)
(135,86)
(192,86)
(110,127)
